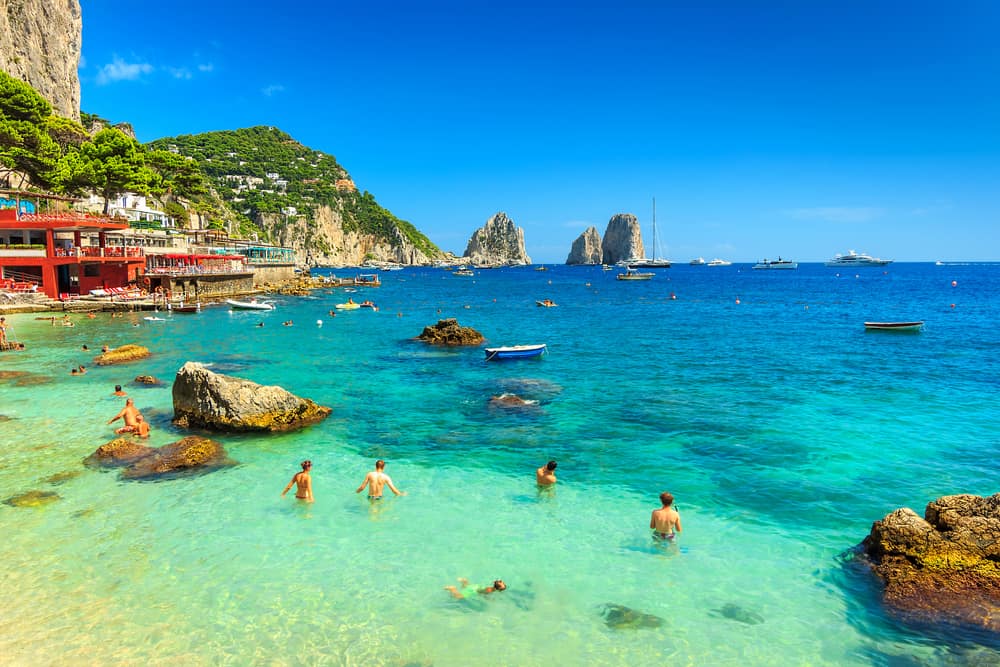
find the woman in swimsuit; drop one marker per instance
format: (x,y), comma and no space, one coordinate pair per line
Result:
(467,591)
(303,483)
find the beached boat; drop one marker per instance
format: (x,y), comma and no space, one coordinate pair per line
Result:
(514,352)
(196,308)
(719,262)
(635,275)
(697,261)
(771,264)
(893,326)
(852,258)
(249,305)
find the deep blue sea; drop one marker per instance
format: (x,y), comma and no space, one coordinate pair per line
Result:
(758,399)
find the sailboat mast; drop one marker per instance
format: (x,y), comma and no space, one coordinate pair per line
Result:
(656,247)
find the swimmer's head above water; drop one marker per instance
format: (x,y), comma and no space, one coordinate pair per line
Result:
(307,464)
(499,585)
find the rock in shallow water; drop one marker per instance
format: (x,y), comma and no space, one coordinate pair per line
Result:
(121,355)
(450,332)
(222,403)
(620,617)
(943,567)
(734,612)
(32,499)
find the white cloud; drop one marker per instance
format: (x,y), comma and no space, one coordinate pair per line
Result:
(119,70)
(837,214)
(179,72)
(272,89)
(206,67)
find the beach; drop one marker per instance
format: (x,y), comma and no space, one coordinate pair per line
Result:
(780,425)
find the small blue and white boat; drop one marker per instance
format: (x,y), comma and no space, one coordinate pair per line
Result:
(514,352)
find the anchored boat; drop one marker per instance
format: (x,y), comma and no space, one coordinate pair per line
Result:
(514,352)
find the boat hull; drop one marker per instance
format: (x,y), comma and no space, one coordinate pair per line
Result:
(893,326)
(514,352)
(249,305)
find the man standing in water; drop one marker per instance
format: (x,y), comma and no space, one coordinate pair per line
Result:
(303,483)
(665,522)
(376,480)
(546,475)
(128,414)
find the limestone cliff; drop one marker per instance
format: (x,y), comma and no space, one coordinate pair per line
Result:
(499,241)
(586,248)
(324,241)
(622,239)
(40,44)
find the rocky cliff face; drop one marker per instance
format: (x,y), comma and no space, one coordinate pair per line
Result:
(499,241)
(324,241)
(622,239)
(40,44)
(586,248)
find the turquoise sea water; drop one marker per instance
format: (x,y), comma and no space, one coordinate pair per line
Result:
(780,425)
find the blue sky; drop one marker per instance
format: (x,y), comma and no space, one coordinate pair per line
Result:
(799,129)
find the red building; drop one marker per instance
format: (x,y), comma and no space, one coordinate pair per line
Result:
(61,252)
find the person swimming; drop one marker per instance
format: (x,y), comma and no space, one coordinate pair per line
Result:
(467,591)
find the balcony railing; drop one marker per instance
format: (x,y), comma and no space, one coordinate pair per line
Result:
(93,251)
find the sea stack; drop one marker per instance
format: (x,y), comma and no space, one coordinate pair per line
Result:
(497,242)
(622,239)
(586,248)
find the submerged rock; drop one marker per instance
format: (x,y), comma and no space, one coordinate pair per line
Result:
(12,375)
(223,403)
(187,453)
(734,612)
(943,567)
(33,380)
(146,379)
(62,477)
(450,332)
(620,617)
(121,355)
(32,499)
(511,402)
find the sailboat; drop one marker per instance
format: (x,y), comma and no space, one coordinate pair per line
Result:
(657,262)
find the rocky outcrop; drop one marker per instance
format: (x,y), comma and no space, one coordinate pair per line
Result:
(622,239)
(943,567)
(184,455)
(121,355)
(142,462)
(325,242)
(499,241)
(223,403)
(146,379)
(586,248)
(450,332)
(40,44)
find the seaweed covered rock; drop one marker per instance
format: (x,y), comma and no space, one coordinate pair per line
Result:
(450,332)
(944,566)
(146,379)
(185,454)
(32,499)
(620,617)
(122,355)
(219,402)
(119,452)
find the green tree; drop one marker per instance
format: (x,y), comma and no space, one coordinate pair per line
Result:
(117,164)
(177,175)
(26,149)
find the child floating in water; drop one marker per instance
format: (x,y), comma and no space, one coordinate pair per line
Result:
(467,591)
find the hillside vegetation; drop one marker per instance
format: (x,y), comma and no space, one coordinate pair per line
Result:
(260,172)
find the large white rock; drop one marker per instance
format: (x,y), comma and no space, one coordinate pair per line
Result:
(499,241)
(586,248)
(622,239)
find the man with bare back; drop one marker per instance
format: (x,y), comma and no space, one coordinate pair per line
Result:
(376,480)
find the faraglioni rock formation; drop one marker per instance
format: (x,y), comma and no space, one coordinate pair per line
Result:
(40,44)
(222,403)
(586,248)
(499,241)
(450,332)
(121,355)
(622,239)
(189,454)
(944,567)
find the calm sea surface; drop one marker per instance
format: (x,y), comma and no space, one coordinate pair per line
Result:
(782,427)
